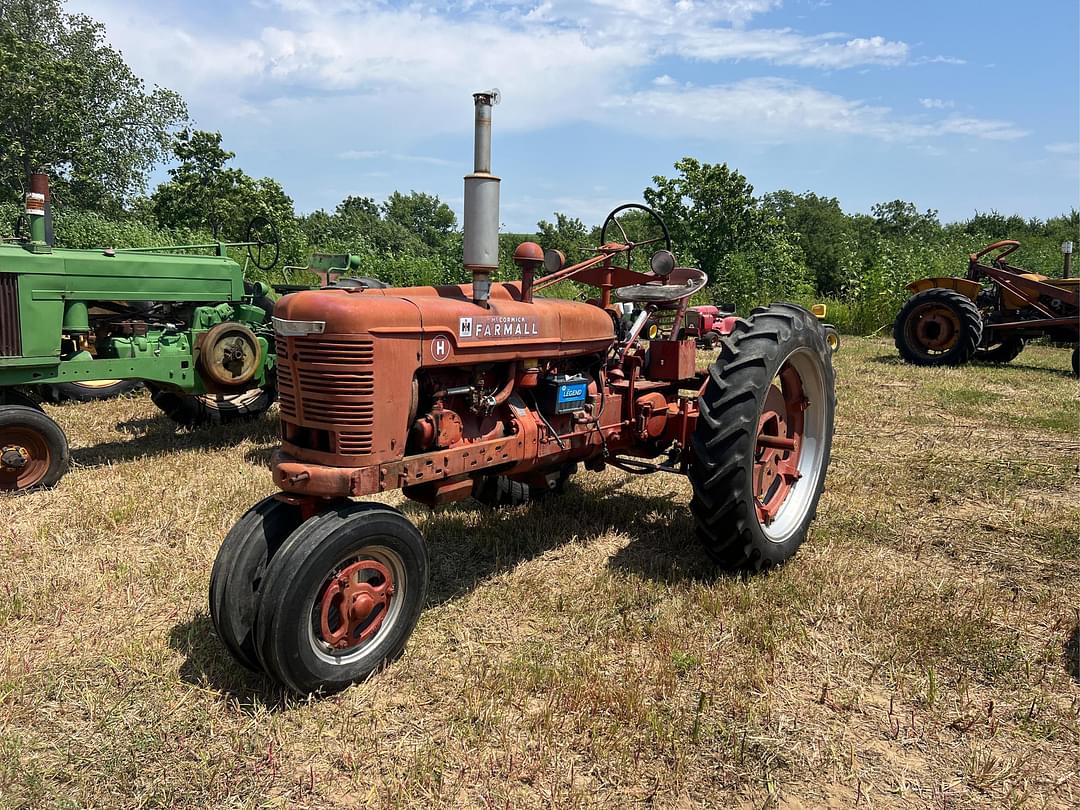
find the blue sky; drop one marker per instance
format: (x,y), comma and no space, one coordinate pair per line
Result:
(954,105)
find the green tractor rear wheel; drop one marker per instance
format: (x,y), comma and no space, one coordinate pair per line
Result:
(89,390)
(203,410)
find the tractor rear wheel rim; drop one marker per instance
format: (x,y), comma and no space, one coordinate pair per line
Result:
(24,458)
(934,327)
(357,604)
(790,446)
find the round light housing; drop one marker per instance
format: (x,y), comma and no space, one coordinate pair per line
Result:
(554,260)
(662,262)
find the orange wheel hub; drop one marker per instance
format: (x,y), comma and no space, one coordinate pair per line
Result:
(354,604)
(779,444)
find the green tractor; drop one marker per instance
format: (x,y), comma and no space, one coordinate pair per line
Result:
(185,323)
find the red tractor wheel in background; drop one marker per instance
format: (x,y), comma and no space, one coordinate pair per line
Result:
(763,438)
(341,597)
(938,327)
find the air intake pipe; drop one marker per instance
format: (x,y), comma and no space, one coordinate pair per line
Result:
(481,237)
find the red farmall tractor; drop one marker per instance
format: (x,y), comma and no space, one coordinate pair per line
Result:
(490,390)
(988,315)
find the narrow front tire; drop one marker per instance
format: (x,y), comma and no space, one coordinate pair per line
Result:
(341,597)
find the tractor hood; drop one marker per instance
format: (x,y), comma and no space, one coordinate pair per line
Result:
(449,328)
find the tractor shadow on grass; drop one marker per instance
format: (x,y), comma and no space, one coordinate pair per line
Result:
(1071,653)
(470,545)
(208,664)
(159,436)
(896,361)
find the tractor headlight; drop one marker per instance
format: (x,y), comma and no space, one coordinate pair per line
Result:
(287,328)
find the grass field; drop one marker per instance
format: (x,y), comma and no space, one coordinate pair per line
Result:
(920,651)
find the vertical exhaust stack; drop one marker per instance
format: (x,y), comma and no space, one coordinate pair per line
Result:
(38,212)
(481,237)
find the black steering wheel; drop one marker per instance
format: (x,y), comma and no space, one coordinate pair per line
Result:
(613,217)
(263,242)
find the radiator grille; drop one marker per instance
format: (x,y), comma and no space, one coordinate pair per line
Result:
(10,334)
(329,385)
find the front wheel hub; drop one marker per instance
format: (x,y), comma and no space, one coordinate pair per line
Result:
(354,604)
(14,457)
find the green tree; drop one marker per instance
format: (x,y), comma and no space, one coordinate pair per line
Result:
(713,216)
(424,216)
(709,209)
(567,234)
(902,219)
(201,191)
(70,106)
(822,231)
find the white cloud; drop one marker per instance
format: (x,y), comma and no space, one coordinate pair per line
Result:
(382,154)
(1067,148)
(390,76)
(936,103)
(787,47)
(779,110)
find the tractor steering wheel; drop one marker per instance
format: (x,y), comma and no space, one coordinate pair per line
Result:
(613,217)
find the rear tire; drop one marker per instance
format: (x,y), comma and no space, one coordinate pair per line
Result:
(753,505)
(498,491)
(239,570)
(938,327)
(34,451)
(13,396)
(1076,361)
(1003,351)
(203,410)
(323,560)
(89,391)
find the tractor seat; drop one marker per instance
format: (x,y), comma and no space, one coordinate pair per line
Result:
(682,283)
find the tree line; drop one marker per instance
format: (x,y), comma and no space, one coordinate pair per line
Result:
(70,106)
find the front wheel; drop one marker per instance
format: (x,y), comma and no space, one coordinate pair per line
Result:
(341,597)
(203,410)
(239,570)
(34,451)
(763,438)
(1004,350)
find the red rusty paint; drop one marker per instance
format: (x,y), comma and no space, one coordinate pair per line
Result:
(779,444)
(353,606)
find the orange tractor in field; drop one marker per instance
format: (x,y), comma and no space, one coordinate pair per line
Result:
(490,390)
(988,315)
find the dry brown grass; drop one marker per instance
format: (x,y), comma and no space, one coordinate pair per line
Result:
(581,652)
